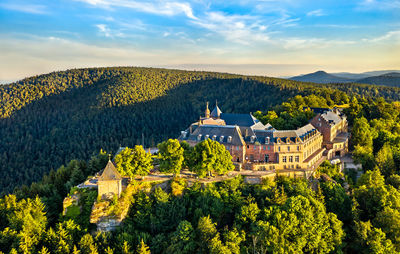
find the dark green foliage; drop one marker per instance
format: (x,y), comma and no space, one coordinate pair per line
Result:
(210,157)
(52,118)
(296,111)
(170,156)
(56,185)
(48,120)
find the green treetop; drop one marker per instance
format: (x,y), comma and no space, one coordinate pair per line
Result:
(136,161)
(171,156)
(210,156)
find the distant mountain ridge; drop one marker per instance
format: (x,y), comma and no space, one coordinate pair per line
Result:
(321,77)
(385,78)
(388,79)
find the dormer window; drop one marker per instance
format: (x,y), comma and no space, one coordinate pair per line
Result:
(221,139)
(199,137)
(267,140)
(206,137)
(229,139)
(214,137)
(252,139)
(183,134)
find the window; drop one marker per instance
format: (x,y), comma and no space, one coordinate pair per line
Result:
(279,148)
(199,137)
(297,158)
(221,139)
(248,146)
(284,159)
(288,148)
(229,139)
(237,148)
(269,148)
(264,147)
(298,148)
(290,158)
(254,147)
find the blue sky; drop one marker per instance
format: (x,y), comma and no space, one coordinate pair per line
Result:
(267,37)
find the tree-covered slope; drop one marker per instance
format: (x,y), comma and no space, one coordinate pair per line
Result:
(47,120)
(388,79)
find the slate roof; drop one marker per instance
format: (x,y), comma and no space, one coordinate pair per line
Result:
(261,135)
(243,120)
(216,112)
(110,173)
(331,117)
(218,131)
(304,130)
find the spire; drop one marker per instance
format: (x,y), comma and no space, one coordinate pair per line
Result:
(216,113)
(207,113)
(110,173)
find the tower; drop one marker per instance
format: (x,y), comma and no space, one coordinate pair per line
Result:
(207,113)
(216,113)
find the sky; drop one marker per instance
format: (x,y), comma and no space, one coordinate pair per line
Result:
(266,37)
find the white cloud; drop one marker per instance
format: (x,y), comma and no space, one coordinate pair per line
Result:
(103,28)
(107,32)
(166,8)
(311,43)
(27,8)
(241,29)
(316,13)
(392,36)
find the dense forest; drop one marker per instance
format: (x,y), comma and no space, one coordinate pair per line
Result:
(335,212)
(48,120)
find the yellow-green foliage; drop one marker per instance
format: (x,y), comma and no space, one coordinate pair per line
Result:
(178,185)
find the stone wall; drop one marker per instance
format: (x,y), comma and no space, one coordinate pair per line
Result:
(112,186)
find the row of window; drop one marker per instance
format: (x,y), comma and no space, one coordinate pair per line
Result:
(288,148)
(296,158)
(290,166)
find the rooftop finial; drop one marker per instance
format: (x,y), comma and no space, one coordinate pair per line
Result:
(207,113)
(109,156)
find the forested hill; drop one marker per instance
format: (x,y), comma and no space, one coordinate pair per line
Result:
(47,120)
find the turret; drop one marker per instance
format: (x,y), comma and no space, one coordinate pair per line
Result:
(216,113)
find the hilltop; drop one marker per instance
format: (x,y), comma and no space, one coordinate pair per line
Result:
(47,120)
(383,78)
(320,77)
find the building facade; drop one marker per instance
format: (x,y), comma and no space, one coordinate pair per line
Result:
(261,147)
(334,128)
(109,182)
